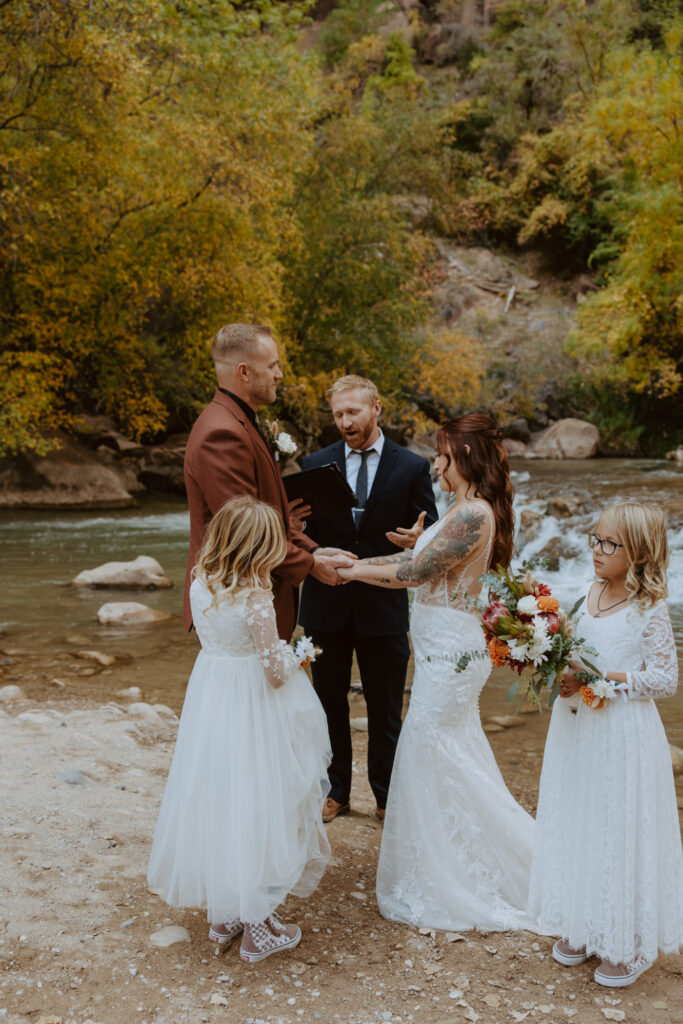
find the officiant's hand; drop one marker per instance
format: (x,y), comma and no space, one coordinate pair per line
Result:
(407,538)
(326,562)
(298,513)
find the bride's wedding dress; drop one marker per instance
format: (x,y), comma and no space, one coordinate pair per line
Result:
(456,849)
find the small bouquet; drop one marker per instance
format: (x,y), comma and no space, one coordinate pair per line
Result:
(525,628)
(596,694)
(306,651)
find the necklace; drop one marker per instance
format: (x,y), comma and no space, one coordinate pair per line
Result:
(609,606)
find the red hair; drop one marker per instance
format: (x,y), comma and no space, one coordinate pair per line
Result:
(486,466)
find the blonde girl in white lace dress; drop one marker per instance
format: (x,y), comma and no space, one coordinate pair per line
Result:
(240,824)
(607,872)
(456,848)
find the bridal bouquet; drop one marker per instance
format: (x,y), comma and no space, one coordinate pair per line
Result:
(525,628)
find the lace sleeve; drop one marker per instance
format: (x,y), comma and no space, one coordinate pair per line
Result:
(659,677)
(277,657)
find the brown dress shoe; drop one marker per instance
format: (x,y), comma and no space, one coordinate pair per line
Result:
(380,813)
(331,808)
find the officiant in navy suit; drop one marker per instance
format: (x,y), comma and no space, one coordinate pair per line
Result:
(394,498)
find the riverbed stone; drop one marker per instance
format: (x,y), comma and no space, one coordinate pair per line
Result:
(141,573)
(567,439)
(563,506)
(129,613)
(169,936)
(676,455)
(515,449)
(97,656)
(10,693)
(130,693)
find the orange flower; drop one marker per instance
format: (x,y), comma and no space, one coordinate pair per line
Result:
(589,698)
(499,652)
(548,604)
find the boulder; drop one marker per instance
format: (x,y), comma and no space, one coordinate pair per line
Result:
(515,449)
(529,524)
(142,573)
(68,477)
(563,506)
(566,439)
(518,430)
(129,613)
(555,549)
(676,455)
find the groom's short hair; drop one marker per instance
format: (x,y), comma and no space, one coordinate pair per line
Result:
(236,342)
(352,380)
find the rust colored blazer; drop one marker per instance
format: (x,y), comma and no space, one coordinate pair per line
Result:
(227,456)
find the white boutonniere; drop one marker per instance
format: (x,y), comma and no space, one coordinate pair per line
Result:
(279,440)
(306,651)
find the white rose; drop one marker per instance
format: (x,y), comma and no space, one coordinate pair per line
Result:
(286,444)
(528,605)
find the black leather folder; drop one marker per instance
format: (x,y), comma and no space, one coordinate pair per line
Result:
(323,488)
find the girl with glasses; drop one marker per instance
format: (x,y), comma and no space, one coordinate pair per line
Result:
(607,873)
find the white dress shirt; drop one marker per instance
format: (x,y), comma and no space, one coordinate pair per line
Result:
(353,462)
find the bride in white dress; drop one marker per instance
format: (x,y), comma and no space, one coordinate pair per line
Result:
(456,848)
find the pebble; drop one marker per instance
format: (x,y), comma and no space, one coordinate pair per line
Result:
(74,777)
(169,935)
(101,659)
(131,693)
(10,693)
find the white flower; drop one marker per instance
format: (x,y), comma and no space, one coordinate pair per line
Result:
(533,648)
(528,605)
(603,688)
(286,444)
(306,650)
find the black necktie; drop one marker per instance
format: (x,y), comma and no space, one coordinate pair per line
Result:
(362,486)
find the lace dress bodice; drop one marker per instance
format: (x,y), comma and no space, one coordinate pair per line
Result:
(241,626)
(457,583)
(639,643)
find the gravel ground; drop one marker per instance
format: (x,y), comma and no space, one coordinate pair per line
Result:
(77,920)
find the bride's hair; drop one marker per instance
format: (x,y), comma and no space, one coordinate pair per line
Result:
(244,542)
(486,466)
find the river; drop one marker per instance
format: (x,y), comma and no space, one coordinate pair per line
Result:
(43,551)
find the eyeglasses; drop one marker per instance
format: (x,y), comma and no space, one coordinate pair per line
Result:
(608,547)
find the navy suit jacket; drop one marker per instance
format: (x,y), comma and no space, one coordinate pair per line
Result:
(402,488)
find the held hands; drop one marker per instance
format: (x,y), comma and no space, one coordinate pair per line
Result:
(327,562)
(407,538)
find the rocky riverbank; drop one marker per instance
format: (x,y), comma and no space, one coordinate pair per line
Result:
(86,748)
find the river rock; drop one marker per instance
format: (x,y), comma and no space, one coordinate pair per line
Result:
(129,613)
(143,573)
(515,449)
(169,936)
(676,455)
(529,525)
(130,693)
(10,693)
(566,439)
(563,506)
(676,759)
(555,549)
(97,656)
(68,477)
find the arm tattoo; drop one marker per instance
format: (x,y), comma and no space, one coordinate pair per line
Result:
(401,556)
(457,539)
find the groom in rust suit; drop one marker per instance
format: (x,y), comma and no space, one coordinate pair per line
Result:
(227,454)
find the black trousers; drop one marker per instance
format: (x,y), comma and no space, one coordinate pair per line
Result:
(383,662)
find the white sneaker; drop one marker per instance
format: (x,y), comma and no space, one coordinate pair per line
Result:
(568,957)
(629,974)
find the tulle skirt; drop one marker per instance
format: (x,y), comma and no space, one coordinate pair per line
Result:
(240,823)
(608,867)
